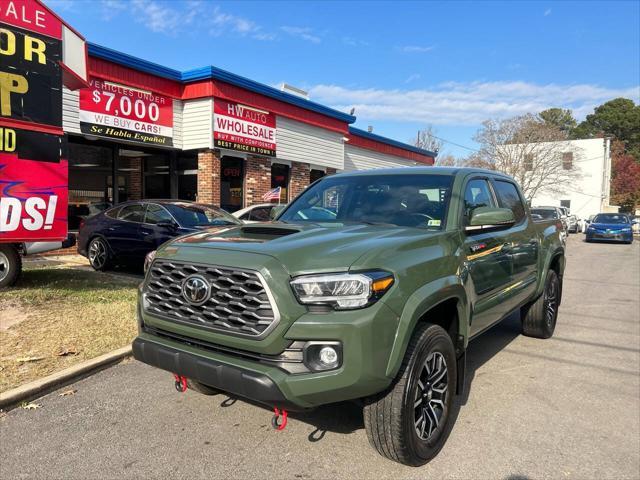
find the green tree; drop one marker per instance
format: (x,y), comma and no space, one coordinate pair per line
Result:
(619,118)
(560,118)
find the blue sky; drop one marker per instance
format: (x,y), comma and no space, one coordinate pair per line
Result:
(402,65)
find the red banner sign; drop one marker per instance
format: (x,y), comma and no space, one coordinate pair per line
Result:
(243,128)
(33,199)
(30,15)
(118,111)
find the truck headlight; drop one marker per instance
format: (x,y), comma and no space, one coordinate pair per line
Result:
(342,291)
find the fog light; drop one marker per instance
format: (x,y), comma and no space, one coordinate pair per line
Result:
(328,356)
(322,355)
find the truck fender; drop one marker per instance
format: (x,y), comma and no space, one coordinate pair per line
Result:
(549,259)
(419,303)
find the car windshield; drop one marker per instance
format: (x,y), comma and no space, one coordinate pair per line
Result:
(191,215)
(611,218)
(408,200)
(545,213)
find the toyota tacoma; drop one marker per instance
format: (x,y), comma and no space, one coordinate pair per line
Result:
(368,286)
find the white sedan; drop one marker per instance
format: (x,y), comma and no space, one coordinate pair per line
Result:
(256,213)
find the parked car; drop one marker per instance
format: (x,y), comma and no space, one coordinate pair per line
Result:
(635,224)
(613,227)
(574,224)
(369,286)
(256,213)
(127,232)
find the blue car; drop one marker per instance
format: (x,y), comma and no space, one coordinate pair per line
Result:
(127,232)
(612,227)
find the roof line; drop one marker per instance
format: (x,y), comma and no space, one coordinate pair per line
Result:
(212,72)
(389,141)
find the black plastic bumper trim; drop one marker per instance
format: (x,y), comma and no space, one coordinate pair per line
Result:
(234,380)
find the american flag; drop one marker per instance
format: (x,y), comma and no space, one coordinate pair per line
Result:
(273,194)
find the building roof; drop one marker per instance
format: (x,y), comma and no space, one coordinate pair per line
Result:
(389,141)
(214,73)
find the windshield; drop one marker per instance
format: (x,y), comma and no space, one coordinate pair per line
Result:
(408,200)
(545,213)
(611,218)
(191,215)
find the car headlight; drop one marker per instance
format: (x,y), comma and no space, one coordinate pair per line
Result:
(626,229)
(342,291)
(148,260)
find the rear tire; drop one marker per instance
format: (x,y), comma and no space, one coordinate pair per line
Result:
(10,265)
(539,317)
(410,422)
(98,254)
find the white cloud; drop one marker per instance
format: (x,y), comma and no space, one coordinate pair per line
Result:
(354,42)
(413,77)
(305,33)
(227,21)
(547,12)
(416,48)
(171,18)
(455,103)
(156,16)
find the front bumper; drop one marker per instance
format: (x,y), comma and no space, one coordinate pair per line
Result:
(215,373)
(366,336)
(609,237)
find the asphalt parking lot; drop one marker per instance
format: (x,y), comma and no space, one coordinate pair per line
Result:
(568,407)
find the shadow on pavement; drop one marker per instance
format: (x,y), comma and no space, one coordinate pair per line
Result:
(346,417)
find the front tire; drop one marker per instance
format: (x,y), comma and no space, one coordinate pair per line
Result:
(10,265)
(410,422)
(539,318)
(98,254)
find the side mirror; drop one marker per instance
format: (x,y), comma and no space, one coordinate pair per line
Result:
(485,218)
(275,211)
(167,224)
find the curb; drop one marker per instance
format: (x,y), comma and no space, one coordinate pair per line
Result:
(42,386)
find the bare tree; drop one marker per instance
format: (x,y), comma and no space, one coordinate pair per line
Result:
(446,160)
(427,140)
(533,152)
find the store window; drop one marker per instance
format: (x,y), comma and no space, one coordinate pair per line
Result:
(90,181)
(157,178)
(231,183)
(187,172)
(280,178)
(316,175)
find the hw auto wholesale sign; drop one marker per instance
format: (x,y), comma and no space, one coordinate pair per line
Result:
(33,178)
(243,128)
(118,111)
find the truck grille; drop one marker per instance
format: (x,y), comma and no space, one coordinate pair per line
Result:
(238,302)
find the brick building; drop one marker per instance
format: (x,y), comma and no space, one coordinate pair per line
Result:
(142,130)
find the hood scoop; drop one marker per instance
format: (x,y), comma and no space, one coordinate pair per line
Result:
(271,230)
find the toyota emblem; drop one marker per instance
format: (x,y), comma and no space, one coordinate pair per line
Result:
(196,290)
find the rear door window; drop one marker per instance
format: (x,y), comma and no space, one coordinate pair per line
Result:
(508,197)
(132,213)
(156,214)
(260,214)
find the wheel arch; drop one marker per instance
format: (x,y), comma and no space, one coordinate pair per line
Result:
(443,302)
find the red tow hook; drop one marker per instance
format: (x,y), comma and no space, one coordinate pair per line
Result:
(181,383)
(276,416)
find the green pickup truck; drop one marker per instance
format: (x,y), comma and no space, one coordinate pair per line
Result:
(368,286)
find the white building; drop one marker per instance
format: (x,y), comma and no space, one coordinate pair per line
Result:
(589,193)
